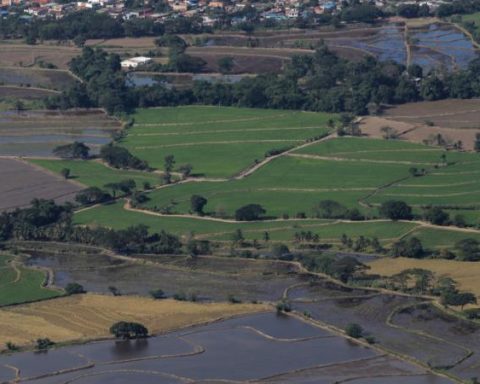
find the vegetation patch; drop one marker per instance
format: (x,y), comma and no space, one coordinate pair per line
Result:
(206,137)
(20,284)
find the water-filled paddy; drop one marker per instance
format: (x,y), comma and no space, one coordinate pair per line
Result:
(439,44)
(36,133)
(245,348)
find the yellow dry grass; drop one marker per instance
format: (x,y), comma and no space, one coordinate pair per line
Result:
(90,316)
(465,273)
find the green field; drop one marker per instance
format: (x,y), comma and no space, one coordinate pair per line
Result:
(433,238)
(287,185)
(218,141)
(114,216)
(356,172)
(348,170)
(19,284)
(95,174)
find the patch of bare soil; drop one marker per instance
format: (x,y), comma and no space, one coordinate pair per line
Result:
(22,182)
(454,119)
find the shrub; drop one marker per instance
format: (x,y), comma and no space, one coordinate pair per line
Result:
(396,210)
(232,299)
(354,330)
(283,307)
(11,346)
(74,289)
(44,343)
(249,212)
(158,294)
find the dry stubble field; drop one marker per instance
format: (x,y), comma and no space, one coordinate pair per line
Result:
(90,316)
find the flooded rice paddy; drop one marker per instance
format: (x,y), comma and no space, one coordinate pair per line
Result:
(430,46)
(36,133)
(260,348)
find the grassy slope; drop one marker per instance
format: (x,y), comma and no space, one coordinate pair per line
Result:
(94,174)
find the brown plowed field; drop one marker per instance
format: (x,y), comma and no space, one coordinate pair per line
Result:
(22,182)
(455,119)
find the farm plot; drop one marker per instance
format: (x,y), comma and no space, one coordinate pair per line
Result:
(429,319)
(451,113)
(441,44)
(96,174)
(346,170)
(463,272)
(372,313)
(24,93)
(206,279)
(286,186)
(455,186)
(114,216)
(36,77)
(20,55)
(21,183)
(246,60)
(206,137)
(385,43)
(448,181)
(232,350)
(36,133)
(19,284)
(437,238)
(90,316)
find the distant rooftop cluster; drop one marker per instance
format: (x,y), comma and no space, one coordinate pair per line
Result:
(208,10)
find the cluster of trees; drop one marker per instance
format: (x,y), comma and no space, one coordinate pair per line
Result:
(120,157)
(411,247)
(47,221)
(342,268)
(75,150)
(330,209)
(250,212)
(362,244)
(319,82)
(128,330)
(89,24)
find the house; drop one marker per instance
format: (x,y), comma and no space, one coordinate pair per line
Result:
(291,13)
(135,62)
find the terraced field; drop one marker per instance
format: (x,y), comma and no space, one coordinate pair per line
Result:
(359,173)
(206,137)
(351,171)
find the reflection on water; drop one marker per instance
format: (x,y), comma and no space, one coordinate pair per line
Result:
(441,45)
(138,79)
(37,133)
(245,348)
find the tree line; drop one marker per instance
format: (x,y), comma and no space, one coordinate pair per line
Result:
(319,82)
(45,220)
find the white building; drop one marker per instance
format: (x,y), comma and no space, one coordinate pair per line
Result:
(135,62)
